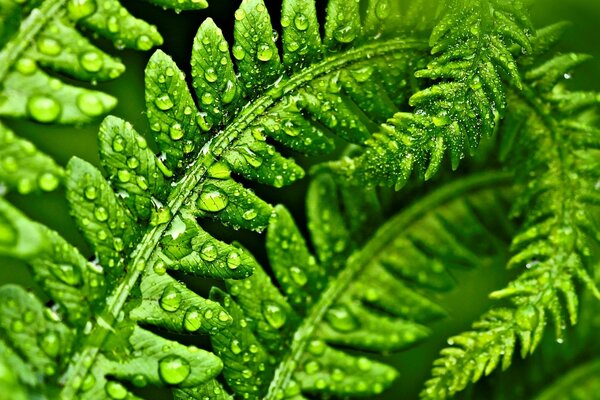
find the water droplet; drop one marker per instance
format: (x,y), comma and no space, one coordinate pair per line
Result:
(312,367)
(207,98)
(26,66)
(51,344)
(101,214)
(90,104)
(67,274)
(118,144)
(223,316)
(140,381)
(160,267)
(235,346)
(79,9)
(170,299)
(364,364)
(43,108)
(234,260)
(273,313)
(211,75)
(112,24)
(239,14)
(341,319)
(48,181)
(124,175)
(91,61)
(344,34)
(133,162)
(382,9)
(247,374)
(115,390)
(298,276)
(208,252)
(144,42)
(90,192)
(212,200)
(229,93)
(238,52)
(176,132)
(219,170)
(163,102)
(192,320)
(264,52)
(301,22)
(316,347)
(249,214)
(49,46)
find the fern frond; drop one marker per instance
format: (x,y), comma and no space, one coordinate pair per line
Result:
(559,174)
(40,43)
(473,47)
(363,296)
(578,384)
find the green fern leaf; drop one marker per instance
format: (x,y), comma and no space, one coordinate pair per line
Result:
(473,61)
(580,383)
(555,241)
(41,38)
(283,339)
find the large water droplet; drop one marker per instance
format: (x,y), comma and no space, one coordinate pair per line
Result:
(382,9)
(78,9)
(51,344)
(208,252)
(238,52)
(249,214)
(298,276)
(163,102)
(234,260)
(219,170)
(264,52)
(211,75)
(192,320)
(91,61)
(341,319)
(170,299)
(115,390)
(235,346)
(90,104)
(173,369)
(212,200)
(48,181)
(101,214)
(67,274)
(273,313)
(345,34)
(239,14)
(301,22)
(43,108)
(526,317)
(176,132)
(49,46)
(229,92)
(312,367)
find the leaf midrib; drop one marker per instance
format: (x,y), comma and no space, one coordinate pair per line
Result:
(207,156)
(30,27)
(363,258)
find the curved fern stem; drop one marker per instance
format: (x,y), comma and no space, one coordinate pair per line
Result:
(356,264)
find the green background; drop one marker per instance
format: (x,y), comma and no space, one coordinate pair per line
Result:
(463,305)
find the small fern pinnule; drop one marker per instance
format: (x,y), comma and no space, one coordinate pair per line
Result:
(366,296)
(558,170)
(473,47)
(40,46)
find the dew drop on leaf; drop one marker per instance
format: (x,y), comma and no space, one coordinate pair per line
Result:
(163,102)
(301,22)
(91,61)
(49,46)
(192,320)
(48,181)
(170,299)
(312,367)
(212,200)
(235,346)
(78,9)
(67,274)
(43,108)
(341,319)
(208,252)
(51,344)
(298,276)
(115,390)
(234,260)
(273,313)
(90,104)
(101,214)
